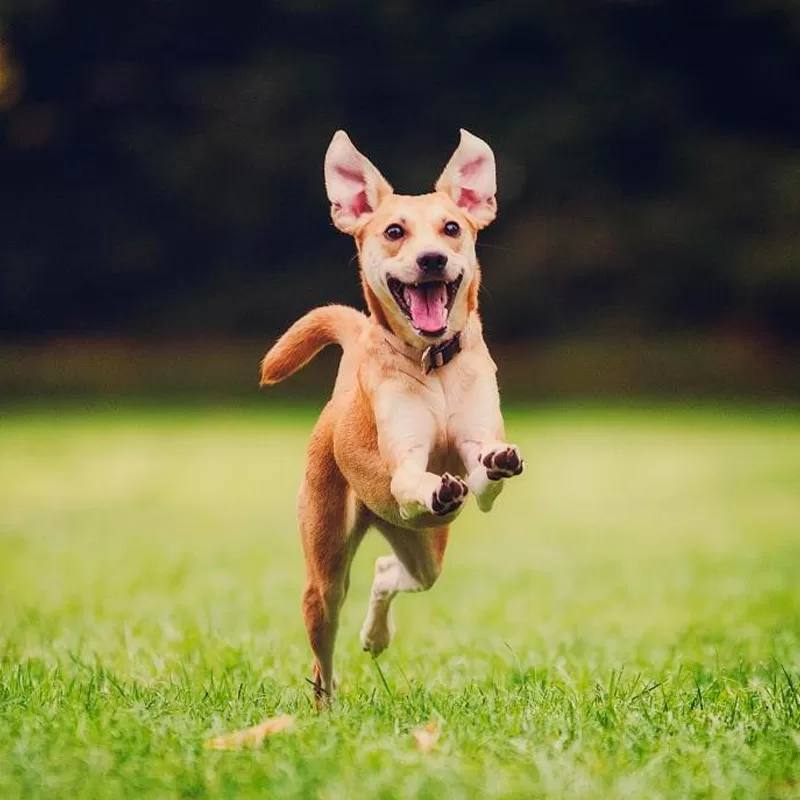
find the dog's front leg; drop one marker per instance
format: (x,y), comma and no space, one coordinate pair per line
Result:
(407,431)
(488,460)
(418,491)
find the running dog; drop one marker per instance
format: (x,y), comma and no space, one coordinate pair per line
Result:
(414,423)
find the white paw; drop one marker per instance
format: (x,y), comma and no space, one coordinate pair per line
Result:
(486,480)
(447,495)
(376,633)
(503,462)
(484,489)
(450,495)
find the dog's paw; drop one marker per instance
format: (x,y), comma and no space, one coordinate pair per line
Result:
(450,495)
(378,629)
(504,462)
(323,698)
(376,635)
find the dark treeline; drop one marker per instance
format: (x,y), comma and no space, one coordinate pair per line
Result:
(161,162)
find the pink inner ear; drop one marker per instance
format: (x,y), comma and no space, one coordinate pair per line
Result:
(469,199)
(471,168)
(350,174)
(358,203)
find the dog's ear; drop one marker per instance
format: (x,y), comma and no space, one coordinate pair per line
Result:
(354,185)
(469,178)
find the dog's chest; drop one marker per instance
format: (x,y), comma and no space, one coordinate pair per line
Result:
(452,393)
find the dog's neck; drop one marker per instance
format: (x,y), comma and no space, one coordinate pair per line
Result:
(430,357)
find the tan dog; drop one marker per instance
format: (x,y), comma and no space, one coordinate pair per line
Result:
(414,423)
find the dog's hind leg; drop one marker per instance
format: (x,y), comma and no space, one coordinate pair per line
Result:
(329,545)
(414,567)
(332,525)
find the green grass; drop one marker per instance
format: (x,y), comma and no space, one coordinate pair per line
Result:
(625,623)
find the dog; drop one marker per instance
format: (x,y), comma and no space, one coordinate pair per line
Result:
(414,422)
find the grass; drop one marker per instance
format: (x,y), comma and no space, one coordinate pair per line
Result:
(626,622)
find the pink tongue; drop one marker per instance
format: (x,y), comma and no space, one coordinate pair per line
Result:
(428,304)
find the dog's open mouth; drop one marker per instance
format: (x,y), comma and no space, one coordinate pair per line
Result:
(426,304)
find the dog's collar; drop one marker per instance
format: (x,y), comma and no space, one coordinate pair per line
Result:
(437,355)
(433,357)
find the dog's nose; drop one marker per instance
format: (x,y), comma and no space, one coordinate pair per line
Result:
(432,262)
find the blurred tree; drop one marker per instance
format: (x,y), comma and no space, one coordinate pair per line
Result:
(162,161)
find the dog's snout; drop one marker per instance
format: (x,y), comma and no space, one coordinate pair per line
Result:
(432,262)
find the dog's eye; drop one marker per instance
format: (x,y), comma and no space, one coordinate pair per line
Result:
(452,229)
(394,232)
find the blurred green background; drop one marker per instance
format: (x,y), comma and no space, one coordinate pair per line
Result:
(163,211)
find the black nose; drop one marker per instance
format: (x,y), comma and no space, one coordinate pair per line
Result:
(431,263)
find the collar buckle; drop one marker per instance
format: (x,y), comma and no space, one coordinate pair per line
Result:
(436,356)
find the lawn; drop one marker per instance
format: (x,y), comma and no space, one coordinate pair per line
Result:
(625,623)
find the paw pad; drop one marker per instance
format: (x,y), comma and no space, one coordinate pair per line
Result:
(505,462)
(450,495)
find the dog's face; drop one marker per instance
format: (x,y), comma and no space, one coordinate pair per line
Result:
(417,253)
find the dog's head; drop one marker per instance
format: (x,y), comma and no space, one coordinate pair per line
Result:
(417,253)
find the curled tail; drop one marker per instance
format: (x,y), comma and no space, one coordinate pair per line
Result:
(317,329)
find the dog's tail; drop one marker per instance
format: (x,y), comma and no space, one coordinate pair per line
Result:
(317,329)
